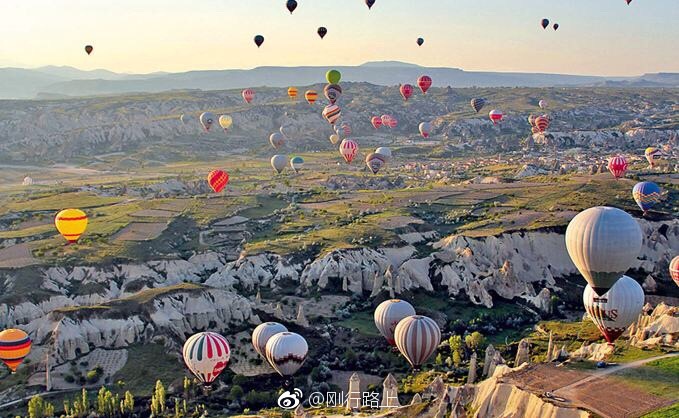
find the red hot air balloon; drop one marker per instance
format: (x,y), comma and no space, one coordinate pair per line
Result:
(496,116)
(89,49)
(542,123)
(674,269)
(424,82)
(248,95)
(385,119)
(406,91)
(617,166)
(218,180)
(376,122)
(348,148)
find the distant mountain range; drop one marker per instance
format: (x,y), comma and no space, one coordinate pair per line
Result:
(57,82)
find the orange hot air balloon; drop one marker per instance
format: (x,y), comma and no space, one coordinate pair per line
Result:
(218,180)
(15,345)
(311,96)
(71,223)
(292,92)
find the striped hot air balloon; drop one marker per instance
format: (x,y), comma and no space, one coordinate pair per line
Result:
(531,120)
(375,162)
(646,194)
(424,82)
(376,121)
(15,345)
(617,166)
(217,179)
(674,269)
(262,334)
(311,96)
(542,123)
(477,104)
(331,113)
(296,163)
(248,95)
(385,119)
(615,310)
(286,352)
(206,354)
(207,119)
(292,92)
(406,91)
(417,338)
(495,116)
(348,149)
(389,313)
(332,92)
(346,129)
(392,122)
(71,223)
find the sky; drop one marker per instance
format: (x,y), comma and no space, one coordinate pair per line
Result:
(597,37)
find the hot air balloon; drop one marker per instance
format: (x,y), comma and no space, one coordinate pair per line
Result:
(617,166)
(556,26)
(369,3)
(277,139)
(674,270)
(89,49)
(628,2)
(542,123)
(646,194)
(495,116)
(425,128)
(286,352)
(424,82)
(348,149)
(296,163)
(603,242)
(217,179)
(477,104)
(287,130)
(28,181)
(376,122)
(392,122)
(207,119)
(385,119)
(185,119)
(544,23)
(15,345)
(542,104)
(385,151)
(259,40)
(248,95)
(652,155)
(406,91)
(225,121)
(311,96)
(388,314)
(292,92)
(417,338)
(616,309)
(322,31)
(334,139)
(206,354)
(375,162)
(291,5)
(346,129)
(331,113)
(333,76)
(531,120)
(420,41)
(71,223)
(332,92)
(262,333)
(279,162)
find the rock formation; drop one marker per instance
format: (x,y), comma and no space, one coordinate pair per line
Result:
(490,354)
(522,353)
(301,318)
(471,377)
(660,327)
(354,396)
(390,392)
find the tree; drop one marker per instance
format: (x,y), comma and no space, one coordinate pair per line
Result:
(457,358)
(455,342)
(158,399)
(38,408)
(474,340)
(439,360)
(127,405)
(236,392)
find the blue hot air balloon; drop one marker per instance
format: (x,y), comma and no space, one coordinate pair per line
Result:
(646,194)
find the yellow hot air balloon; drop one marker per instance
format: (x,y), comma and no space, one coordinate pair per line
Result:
(292,92)
(225,121)
(71,223)
(15,345)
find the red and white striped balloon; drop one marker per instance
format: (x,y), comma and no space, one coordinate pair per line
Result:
(496,116)
(248,95)
(348,149)
(424,82)
(392,122)
(206,354)
(406,91)
(617,166)
(542,123)
(674,269)
(417,338)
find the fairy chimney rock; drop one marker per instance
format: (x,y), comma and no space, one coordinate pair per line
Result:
(354,398)
(390,392)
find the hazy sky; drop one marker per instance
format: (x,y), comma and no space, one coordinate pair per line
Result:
(604,37)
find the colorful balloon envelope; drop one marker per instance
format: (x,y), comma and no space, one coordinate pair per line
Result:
(388,314)
(653,155)
(225,121)
(424,82)
(617,166)
(292,92)
(286,352)
(542,123)
(616,309)
(495,116)
(248,95)
(206,354)
(406,91)
(332,92)
(392,122)
(207,119)
(544,23)
(674,270)
(385,119)
(291,5)
(420,41)
(217,179)
(333,76)
(311,96)
(531,120)
(331,113)
(375,162)
(15,345)
(296,163)
(259,40)
(346,129)
(262,333)
(277,140)
(322,31)
(542,104)
(425,128)
(646,194)
(376,122)
(417,337)
(334,139)
(477,104)
(71,224)
(89,49)
(603,243)
(279,162)
(348,149)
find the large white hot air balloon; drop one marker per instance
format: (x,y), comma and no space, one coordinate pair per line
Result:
(262,333)
(384,151)
(388,314)
(279,162)
(616,309)
(286,352)
(603,243)
(417,338)
(425,128)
